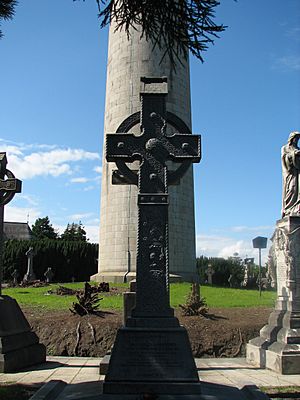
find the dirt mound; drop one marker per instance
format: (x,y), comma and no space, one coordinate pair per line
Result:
(223,333)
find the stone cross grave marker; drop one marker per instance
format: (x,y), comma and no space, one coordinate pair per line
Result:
(30,275)
(210,272)
(8,188)
(152,353)
(153,148)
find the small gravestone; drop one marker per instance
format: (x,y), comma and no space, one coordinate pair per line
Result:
(19,346)
(210,273)
(152,353)
(49,274)
(246,275)
(30,275)
(15,275)
(278,346)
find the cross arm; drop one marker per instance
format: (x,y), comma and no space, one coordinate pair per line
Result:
(10,185)
(183,147)
(124,146)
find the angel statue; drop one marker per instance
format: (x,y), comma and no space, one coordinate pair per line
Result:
(290,156)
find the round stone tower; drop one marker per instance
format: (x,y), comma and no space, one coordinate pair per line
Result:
(129,59)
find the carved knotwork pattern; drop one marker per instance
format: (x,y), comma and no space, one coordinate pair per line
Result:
(288,243)
(178,126)
(153,256)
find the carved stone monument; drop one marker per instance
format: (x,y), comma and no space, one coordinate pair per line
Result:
(19,346)
(30,275)
(152,353)
(278,346)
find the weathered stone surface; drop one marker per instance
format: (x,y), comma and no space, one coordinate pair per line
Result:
(19,347)
(146,355)
(278,346)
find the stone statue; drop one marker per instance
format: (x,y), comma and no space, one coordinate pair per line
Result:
(290,156)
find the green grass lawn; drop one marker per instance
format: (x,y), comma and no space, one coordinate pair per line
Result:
(215,297)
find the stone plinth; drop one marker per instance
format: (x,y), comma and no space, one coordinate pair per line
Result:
(152,355)
(278,346)
(19,346)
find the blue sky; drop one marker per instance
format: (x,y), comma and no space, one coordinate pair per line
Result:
(245,101)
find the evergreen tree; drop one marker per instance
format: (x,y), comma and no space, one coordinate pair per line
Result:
(175,26)
(74,232)
(7,10)
(43,229)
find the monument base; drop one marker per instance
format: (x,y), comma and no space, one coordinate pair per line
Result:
(278,346)
(19,346)
(152,360)
(121,277)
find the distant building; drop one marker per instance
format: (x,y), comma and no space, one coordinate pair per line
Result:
(17,230)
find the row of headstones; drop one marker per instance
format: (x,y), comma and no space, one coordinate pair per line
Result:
(30,275)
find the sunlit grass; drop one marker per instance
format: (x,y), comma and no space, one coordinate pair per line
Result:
(216,297)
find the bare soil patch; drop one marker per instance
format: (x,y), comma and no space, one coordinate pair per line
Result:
(224,333)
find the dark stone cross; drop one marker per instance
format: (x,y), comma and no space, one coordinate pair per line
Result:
(153,148)
(152,353)
(8,188)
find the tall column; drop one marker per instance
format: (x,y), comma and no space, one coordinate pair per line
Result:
(128,60)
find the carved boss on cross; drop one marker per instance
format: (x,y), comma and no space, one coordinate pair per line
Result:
(10,186)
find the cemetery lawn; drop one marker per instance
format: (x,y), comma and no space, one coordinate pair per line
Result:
(216,297)
(235,316)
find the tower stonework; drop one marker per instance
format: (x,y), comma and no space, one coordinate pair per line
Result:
(129,59)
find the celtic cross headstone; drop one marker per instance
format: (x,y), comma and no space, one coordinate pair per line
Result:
(9,186)
(152,352)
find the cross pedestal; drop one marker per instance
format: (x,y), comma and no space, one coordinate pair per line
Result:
(152,353)
(19,346)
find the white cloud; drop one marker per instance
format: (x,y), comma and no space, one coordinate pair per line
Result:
(92,233)
(291,62)
(225,246)
(53,161)
(88,188)
(83,179)
(21,214)
(98,169)
(79,217)
(294,33)
(28,198)
(244,228)
(80,180)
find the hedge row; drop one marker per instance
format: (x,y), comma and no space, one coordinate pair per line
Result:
(68,259)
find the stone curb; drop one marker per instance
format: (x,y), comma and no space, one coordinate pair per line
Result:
(49,391)
(252,392)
